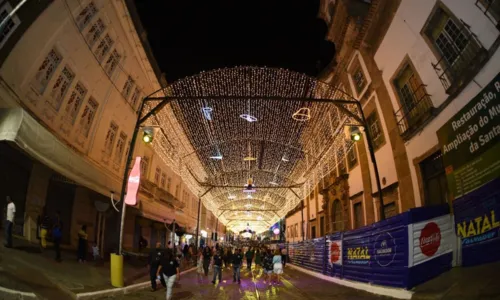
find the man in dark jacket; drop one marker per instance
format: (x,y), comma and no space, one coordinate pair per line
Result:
(237,260)
(155,257)
(217,266)
(207,256)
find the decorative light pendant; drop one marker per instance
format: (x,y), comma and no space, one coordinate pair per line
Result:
(207,113)
(248,117)
(249,158)
(302,115)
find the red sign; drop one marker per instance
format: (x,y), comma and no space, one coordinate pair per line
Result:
(334,252)
(134,180)
(430,239)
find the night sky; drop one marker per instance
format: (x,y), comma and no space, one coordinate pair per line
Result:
(188,37)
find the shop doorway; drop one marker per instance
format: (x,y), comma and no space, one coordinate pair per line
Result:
(60,197)
(15,171)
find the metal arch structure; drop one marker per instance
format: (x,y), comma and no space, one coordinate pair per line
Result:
(221,127)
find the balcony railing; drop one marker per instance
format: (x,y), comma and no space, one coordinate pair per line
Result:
(491,9)
(411,116)
(456,73)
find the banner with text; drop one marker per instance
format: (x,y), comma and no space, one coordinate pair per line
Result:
(470,142)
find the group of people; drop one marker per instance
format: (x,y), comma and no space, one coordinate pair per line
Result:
(272,262)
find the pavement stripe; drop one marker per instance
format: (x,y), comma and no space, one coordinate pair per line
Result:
(118,291)
(18,293)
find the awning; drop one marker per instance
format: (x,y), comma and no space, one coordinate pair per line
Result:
(17,126)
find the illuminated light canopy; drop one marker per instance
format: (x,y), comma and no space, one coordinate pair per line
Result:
(297,155)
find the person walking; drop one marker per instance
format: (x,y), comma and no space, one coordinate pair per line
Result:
(44,223)
(154,260)
(258,258)
(228,257)
(199,265)
(277,265)
(82,244)
(9,222)
(249,257)
(169,270)
(207,256)
(57,235)
(217,266)
(237,260)
(267,263)
(284,256)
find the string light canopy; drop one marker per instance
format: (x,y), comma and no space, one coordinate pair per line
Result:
(225,128)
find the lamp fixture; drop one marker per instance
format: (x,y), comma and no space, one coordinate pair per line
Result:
(353,133)
(249,158)
(147,136)
(249,188)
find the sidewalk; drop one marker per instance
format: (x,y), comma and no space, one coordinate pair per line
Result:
(23,268)
(472,283)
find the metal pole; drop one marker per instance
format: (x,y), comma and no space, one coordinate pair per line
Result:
(374,162)
(125,175)
(302,217)
(216,230)
(173,236)
(198,223)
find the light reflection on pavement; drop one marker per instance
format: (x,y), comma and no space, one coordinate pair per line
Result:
(294,285)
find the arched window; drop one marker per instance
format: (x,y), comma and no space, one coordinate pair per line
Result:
(337,216)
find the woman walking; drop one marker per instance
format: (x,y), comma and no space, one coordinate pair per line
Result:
(169,269)
(277,265)
(82,244)
(199,265)
(268,266)
(207,257)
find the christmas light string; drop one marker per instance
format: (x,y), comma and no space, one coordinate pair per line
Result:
(312,148)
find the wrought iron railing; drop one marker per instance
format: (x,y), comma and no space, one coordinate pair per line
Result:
(453,74)
(411,115)
(491,9)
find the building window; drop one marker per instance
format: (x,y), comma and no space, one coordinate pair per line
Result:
(88,115)
(357,76)
(112,62)
(110,138)
(455,45)
(120,147)
(322,226)
(75,102)
(358,215)
(416,104)
(144,166)
(296,230)
(61,87)
(10,25)
(338,222)
(127,87)
(313,232)
(434,180)
(163,180)
(157,176)
(177,192)
(491,8)
(352,157)
(375,128)
(135,97)
(390,210)
(86,15)
(47,70)
(95,32)
(169,184)
(104,47)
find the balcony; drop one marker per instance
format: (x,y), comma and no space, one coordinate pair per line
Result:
(169,198)
(458,65)
(413,114)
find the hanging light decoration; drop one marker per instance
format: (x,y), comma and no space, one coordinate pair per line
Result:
(302,115)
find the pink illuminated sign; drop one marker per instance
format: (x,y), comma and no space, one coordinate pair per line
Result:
(134,181)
